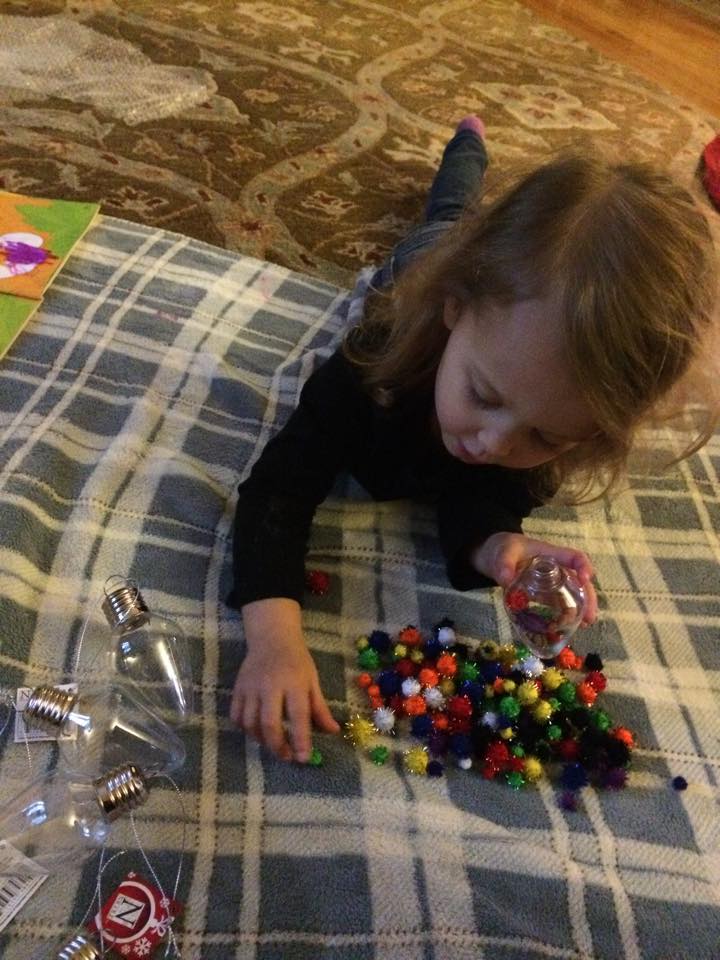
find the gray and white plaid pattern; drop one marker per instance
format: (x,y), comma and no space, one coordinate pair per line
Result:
(130,408)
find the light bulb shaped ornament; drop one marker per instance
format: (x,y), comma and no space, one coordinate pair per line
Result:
(108,728)
(149,651)
(54,821)
(545,604)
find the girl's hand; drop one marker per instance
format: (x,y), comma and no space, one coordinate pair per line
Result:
(277,686)
(502,555)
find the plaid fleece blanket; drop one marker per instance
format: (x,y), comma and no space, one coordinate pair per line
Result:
(131,407)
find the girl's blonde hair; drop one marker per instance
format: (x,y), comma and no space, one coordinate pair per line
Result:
(625,257)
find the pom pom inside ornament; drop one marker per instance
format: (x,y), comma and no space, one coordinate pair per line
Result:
(545,604)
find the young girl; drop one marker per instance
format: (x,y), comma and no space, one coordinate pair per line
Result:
(499,358)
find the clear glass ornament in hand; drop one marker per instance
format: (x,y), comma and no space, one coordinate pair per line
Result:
(545,604)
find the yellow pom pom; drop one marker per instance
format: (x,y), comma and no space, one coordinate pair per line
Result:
(507,654)
(533,769)
(360,731)
(447,686)
(399,651)
(489,690)
(362,643)
(509,686)
(417,655)
(507,734)
(552,678)
(416,759)
(542,711)
(489,649)
(527,693)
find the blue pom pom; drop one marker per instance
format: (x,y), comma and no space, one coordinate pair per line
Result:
(473,689)
(380,641)
(460,744)
(679,783)
(434,769)
(491,670)
(433,649)
(389,682)
(421,726)
(574,776)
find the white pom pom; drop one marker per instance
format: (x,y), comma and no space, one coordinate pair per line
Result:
(410,687)
(464,763)
(446,636)
(384,719)
(532,666)
(434,698)
(490,719)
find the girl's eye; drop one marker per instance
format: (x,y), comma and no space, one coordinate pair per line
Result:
(479,401)
(548,444)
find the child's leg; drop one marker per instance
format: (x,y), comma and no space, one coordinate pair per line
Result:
(461,171)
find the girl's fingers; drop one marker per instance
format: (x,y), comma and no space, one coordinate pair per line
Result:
(321,716)
(272,728)
(298,715)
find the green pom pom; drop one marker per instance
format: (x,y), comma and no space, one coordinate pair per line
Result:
(518,750)
(509,707)
(515,779)
(522,651)
(566,693)
(600,720)
(369,659)
(379,755)
(554,732)
(469,671)
(316,758)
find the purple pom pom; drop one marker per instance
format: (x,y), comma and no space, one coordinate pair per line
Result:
(568,801)
(679,783)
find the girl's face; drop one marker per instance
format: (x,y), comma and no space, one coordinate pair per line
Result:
(503,394)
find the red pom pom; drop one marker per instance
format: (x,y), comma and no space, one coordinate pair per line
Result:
(460,707)
(364,680)
(317,582)
(567,659)
(569,749)
(624,736)
(441,721)
(497,755)
(405,667)
(415,706)
(586,693)
(597,680)
(517,599)
(410,635)
(446,665)
(459,725)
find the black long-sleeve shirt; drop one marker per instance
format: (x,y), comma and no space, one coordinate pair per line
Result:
(394,453)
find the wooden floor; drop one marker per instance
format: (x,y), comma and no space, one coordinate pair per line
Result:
(664,40)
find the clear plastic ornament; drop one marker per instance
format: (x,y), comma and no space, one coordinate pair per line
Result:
(545,604)
(149,651)
(54,821)
(107,727)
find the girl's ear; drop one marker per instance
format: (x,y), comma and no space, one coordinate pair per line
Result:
(451,311)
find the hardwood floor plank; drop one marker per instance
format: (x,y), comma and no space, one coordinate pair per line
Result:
(667,42)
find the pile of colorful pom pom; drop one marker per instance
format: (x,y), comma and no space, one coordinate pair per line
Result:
(500,708)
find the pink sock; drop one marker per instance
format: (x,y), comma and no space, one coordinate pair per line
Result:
(471,122)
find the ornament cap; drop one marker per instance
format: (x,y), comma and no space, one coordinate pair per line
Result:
(120,790)
(49,707)
(79,949)
(123,605)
